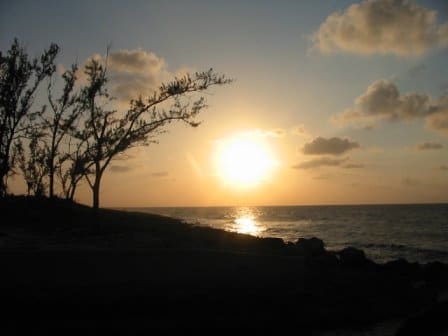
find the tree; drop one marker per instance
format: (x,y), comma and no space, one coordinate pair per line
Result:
(32,166)
(106,133)
(19,80)
(59,122)
(72,167)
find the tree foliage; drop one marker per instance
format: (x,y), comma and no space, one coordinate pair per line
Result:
(19,79)
(78,132)
(106,133)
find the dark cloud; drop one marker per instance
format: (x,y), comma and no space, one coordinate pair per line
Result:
(399,27)
(444,167)
(429,146)
(383,101)
(331,146)
(320,162)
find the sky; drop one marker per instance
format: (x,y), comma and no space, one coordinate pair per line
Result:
(349,99)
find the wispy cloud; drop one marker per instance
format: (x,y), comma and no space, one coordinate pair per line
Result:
(320,162)
(160,174)
(120,169)
(399,27)
(429,146)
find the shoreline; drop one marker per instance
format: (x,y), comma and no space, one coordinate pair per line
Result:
(158,271)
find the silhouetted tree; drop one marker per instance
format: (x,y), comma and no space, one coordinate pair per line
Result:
(71,168)
(19,80)
(33,165)
(107,133)
(59,122)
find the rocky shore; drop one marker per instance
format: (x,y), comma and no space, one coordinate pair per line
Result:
(67,269)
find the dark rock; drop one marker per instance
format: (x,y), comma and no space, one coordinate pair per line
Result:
(430,322)
(352,257)
(328,259)
(310,246)
(404,268)
(272,243)
(436,272)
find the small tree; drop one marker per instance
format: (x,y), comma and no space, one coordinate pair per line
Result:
(106,133)
(19,80)
(71,168)
(59,122)
(33,165)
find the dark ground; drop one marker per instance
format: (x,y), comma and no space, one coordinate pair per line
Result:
(66,269)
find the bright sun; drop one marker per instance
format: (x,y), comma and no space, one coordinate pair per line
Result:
(244,161)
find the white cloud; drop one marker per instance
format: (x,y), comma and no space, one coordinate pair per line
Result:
(399,27)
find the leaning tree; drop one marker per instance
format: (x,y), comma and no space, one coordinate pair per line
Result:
(107,132)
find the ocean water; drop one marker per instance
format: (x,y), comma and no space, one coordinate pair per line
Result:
(385,232)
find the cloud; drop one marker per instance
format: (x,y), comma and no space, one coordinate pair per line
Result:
(320,162)
(399,27)
(353,166)
(410,182)
(383,101)
(120,169)
(132,73)
(444,167)
(270,133)
(301,131)
(136,72)
(429,146)
(332,146)
(160,174)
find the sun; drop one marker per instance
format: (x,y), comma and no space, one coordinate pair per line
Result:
(244,160)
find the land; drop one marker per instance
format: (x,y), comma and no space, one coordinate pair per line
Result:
(67,269)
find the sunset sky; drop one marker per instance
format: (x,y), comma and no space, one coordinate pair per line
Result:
(348,101)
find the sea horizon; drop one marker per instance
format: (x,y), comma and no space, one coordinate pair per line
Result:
(384,231)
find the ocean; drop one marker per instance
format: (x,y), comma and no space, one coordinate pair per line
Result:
(418,233)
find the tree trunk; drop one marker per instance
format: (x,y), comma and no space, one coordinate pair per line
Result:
(71,193)
(51,173)
(96,191)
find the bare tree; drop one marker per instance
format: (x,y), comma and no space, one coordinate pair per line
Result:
(19,80)
(106,133)
(59,122)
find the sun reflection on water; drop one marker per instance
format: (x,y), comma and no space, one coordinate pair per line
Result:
(246,222)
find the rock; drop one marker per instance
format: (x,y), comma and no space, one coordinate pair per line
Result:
(272,243)
(352,257)
(326,260)
(436,273)
(429,322)
(404,268)
(310,246)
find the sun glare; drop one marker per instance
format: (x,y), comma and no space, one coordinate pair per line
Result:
(244,161)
